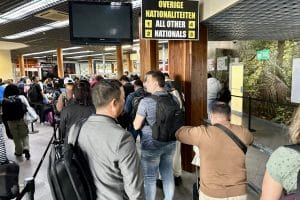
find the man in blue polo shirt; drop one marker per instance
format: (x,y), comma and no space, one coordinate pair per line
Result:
(155,155)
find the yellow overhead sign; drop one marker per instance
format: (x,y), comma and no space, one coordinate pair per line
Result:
(172,20)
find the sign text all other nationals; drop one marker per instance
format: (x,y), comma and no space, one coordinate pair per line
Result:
(173,20)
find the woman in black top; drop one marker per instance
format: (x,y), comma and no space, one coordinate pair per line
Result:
(82,108)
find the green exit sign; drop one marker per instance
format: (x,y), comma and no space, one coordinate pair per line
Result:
(263,54)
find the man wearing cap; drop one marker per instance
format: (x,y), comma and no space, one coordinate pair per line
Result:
(66,97)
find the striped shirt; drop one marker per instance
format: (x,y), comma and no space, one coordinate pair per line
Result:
(3,157)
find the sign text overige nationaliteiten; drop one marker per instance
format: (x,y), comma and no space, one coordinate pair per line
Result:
(173,20)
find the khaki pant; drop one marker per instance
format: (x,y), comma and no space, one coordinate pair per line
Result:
(19,131)
(177,169)
(202,196)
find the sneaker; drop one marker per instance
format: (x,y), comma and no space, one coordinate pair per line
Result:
(159,183)
(178,180)
(27,154)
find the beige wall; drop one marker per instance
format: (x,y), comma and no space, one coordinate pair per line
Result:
(212,7)
(6,67)
(213,45)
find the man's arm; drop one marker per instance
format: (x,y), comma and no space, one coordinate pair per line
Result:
(131,169)
(138,122)
(59,103)
(190,135)
(141,114)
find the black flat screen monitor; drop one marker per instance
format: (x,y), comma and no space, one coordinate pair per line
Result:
(100,22)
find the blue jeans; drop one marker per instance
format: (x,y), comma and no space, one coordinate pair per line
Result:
(159,159)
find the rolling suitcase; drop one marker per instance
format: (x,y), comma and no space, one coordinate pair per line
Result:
(9,180)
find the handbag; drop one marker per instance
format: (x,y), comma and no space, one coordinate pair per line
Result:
(9,180)
(30,116)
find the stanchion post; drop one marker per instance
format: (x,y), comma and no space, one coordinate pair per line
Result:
(32,129)
(249,115)
(31,188)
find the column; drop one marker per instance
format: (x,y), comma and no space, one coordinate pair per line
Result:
(21,65)
(60,63)
(90,63)
(148,54)
(129,63)
(112,68)
(188,66)
(119,61)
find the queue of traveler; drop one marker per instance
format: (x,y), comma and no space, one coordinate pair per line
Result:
(119,111)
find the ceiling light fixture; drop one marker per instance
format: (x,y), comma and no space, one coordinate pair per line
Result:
(126,47)
(162,41)
(47,27)
(27,9)
(78,52)
(136,4)
(71,48)
(90,55)
(114,48)
(37,53)
(109,48)
(50,51)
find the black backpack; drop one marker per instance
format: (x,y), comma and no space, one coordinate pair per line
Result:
(169,118)
(69,175)
(34,94)
(135,103)
(13,108)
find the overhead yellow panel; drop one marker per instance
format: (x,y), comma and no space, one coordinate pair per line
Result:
(236,88)
(6,67)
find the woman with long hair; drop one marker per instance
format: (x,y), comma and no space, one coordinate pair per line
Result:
(82,108)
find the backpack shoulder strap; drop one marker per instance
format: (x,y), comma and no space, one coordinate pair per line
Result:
(154,97)
(293,146)
(76,131)
(237,140)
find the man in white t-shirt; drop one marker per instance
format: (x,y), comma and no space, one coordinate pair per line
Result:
(213,88)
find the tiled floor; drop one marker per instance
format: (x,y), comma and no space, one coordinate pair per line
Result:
(266,133)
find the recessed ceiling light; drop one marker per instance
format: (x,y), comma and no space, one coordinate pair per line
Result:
(47,27)
(71,48)
(37,53)
(27,9)
(78,52)
(114,48)
(109,48)
(90,55)
(136,4)
(162,41)
(50,51)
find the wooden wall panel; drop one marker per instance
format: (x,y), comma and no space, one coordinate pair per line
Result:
(90,62)
(148,54)
(188,66)
(119,61)
(60,63)
(21,65)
